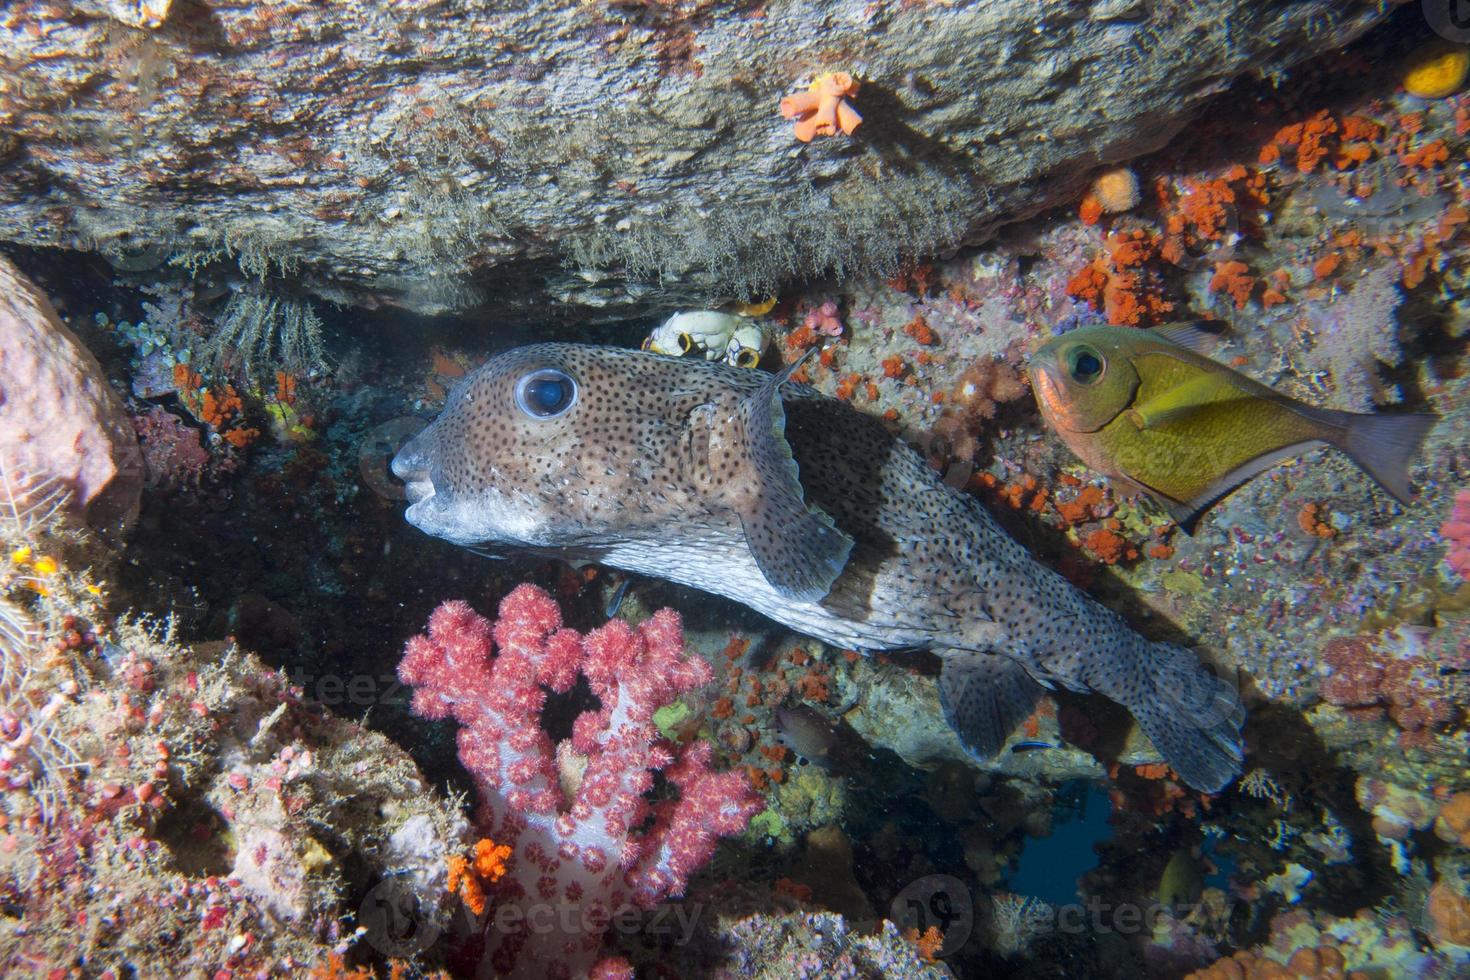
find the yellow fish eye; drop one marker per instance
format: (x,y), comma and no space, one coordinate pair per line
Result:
(1085,364)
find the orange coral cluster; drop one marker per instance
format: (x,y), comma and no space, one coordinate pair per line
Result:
(334,967)
(222,411)
(1205,213)
(1313,519)
(1122,283)
(285,388)
(1430,248)
(1449,915)
(1352,140)
(823,109)
(1103,542)
(1233,279)
(468,876)
(1452,825)
(1107,545)
(1153,789)
(919,329)
(1347,141)
(1307,962)
(216,410)
(186,379)
(928,943)
(811,680)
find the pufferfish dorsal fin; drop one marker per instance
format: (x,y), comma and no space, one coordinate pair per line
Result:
(797,548)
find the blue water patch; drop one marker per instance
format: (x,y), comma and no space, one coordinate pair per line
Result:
(1050,866)
(1224,866)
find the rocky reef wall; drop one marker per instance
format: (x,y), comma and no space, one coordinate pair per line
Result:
(467,156)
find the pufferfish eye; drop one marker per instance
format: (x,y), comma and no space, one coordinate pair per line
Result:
(1085,365)
(546,393)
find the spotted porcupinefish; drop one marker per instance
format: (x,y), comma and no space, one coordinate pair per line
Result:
(750,486)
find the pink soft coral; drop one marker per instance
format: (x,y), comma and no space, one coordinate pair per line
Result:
(1456,531)
(823,108)
(586,842)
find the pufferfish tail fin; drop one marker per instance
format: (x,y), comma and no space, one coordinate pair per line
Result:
(985,697)
(1190,714)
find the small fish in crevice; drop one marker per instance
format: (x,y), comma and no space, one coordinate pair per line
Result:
(749,486)
(808,733)
(1149,410)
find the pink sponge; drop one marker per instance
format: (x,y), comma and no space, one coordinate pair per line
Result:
(1456,532)
(59,420)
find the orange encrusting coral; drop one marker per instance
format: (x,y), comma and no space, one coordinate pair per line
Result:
(1234,280)
(1208,210)
(1120,285)
(186,379)
(823,109)
(1312,519)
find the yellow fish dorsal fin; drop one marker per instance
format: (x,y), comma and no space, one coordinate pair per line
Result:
(1199,336)
(1205,390)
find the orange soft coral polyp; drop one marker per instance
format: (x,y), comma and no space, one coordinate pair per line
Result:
(823,109)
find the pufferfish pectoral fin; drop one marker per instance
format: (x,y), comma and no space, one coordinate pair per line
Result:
(797,548)
(984,697)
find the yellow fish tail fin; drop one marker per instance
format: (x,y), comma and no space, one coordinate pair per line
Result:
(1383,446)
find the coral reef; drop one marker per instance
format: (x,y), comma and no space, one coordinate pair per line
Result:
(183,787)
(175,810)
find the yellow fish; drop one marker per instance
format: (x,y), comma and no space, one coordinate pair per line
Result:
(1149,410)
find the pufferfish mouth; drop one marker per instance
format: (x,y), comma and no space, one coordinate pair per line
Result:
(410,467)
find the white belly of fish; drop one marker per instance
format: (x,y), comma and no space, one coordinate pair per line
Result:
(707,562)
